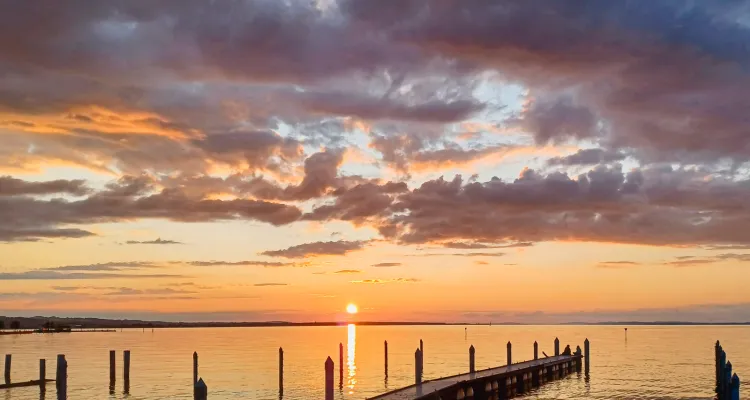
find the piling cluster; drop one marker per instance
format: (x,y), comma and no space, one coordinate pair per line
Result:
(727,385)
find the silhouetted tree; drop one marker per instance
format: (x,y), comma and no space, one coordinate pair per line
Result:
(2,325)
(15,325)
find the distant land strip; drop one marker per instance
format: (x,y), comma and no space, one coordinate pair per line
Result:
(98,323)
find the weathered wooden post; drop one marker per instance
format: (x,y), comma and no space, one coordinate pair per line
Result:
(578,359)
(417,367)
(200,390)
(61,377)
(727,379)
(586,355)
(557,346)
(126,370)
(112,370)
(329,379)
(421,356)
(341,364)
(472,351)
(734,388)
(8,359)
(510,357)
(722,364)
(42,374)
(717,353)
(386,358)
(536,350)
(281,370)
(195,367)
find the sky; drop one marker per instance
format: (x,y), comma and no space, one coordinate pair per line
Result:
(428,160)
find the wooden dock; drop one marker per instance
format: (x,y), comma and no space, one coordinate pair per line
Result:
(490,383)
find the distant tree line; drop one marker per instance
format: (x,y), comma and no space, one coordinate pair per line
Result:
(15,325)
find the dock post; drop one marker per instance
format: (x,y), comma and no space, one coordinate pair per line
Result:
(126,370)
(61,377)
(195,367)
(578,360)
(536,350)
(8,359)
(112,370)
(386,358)
(417,367)
(200,390)
(510,358)
(722,364)
(472,351)
(734,388)
(727,379)
(557,346)
(586,355)
(421,356)
(341,364)
(717,353)
(281,370)
(42,374)
(329,379)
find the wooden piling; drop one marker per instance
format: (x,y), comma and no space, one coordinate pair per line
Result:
(200,390)
(61,377)
(8,360)
(329,379)
(727,379)
(281,370)
(112,370)
(717,352)
(536,350)
(386,358)
(586,355)
(557,346)
(734,388)
(341,364)
(510,357)
(42,373)
(195,367)
(472,352)
(126,371)
(722,365)
(421,356)
(417,367)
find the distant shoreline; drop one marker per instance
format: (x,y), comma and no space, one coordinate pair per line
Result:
(97,323)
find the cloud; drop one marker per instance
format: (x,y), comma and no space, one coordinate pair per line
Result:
(126,291)
(242,264)
(47,275)
(481,262)
(348,271)
(157,241)
(271,284)
(474,245)
(337,248)
(687,261)
(588,157)
(497,254)
(10,186)
(385,281)
(387,264)
(110,266)
(616,264)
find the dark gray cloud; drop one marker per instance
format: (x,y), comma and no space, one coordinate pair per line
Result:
(588,157)
(10,186)
(157,241)
(338,248)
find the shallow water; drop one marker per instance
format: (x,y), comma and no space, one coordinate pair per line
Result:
(654,362)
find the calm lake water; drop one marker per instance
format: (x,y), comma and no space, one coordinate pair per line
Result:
(655,362)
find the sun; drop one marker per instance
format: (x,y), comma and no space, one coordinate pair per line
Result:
(352,308)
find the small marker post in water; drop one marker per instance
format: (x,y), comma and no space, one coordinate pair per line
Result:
(417,368)
(586,358)
(61,377)
(126,371)
(112,371)
(557,346)
(8,359)
(386,358)
(281,371)
(510,357)
(42,374)
(329,379)
(341,364)
(536,350)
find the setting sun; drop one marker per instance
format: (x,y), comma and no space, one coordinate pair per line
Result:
(352,308)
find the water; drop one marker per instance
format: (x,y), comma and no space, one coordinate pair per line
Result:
(655,362)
